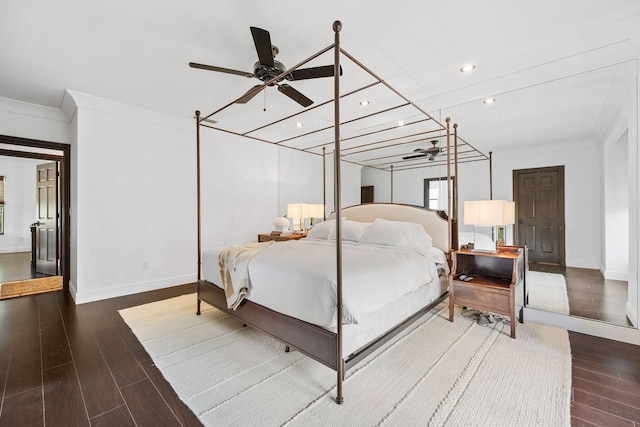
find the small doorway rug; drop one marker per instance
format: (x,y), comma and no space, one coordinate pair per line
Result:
(547,291)
(434,373)
(30,286)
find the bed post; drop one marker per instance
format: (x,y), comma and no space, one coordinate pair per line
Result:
(324,184)
(198,200)
(490,175)
(449,188)
(454,228)
(337,26)
(391,183)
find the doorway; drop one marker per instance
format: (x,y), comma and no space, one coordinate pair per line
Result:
(539,197)
(58,245)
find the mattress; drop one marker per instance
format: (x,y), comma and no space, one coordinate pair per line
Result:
(298,278)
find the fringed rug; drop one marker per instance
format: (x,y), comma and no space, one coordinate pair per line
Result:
(435,373)
(30,286)
(547,291)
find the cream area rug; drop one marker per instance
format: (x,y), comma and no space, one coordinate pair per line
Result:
(435,373)
(547,291)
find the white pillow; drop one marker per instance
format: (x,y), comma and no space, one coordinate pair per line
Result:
(351,230)
(322,230)
(397,233)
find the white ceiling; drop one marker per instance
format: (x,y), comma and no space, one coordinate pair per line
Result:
(559,69)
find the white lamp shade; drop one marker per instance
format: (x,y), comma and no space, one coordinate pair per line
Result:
(510,215)
(316,210)
(294,210)
(488,213)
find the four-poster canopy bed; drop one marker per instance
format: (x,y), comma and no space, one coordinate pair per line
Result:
(422,239)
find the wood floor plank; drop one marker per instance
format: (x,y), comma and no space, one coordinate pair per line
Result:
(607,405)
(63,400)
(147,405)
(592,417)
(24,368)
(100,391)
(618,384)
(23,409)
(625,365)
(606,391)
(55,346)
(123,365)
(586,365)
(119,416)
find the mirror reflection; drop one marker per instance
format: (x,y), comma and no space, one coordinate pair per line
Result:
(561,152)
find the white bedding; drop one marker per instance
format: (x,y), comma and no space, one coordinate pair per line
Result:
(298,278)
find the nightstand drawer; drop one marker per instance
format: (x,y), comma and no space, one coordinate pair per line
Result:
(482,298)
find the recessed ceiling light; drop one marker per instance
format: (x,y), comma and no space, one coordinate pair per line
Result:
(400,122)
(299,124)
(364,102)
(489,101)
(468,68)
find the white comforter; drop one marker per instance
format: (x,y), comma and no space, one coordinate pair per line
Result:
(299,278)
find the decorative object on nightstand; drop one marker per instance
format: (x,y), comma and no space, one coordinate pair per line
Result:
(488,213)
(281,224)
(493,282)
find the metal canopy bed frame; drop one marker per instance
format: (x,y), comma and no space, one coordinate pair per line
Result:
(363,143)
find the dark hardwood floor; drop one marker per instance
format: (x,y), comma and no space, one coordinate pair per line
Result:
(590,295)
(605,382)
(17,266)
(68,365)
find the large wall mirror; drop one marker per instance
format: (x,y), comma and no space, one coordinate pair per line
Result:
(587,123)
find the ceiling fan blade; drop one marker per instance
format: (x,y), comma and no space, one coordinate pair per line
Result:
(295,95)
(414,157)
(314,72)
(262,40)
(220,69)
(249,94)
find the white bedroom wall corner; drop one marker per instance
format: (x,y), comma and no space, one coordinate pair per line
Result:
(133,208)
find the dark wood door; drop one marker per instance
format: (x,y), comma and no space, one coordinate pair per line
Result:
(47,223)
(366,194)
(539,197)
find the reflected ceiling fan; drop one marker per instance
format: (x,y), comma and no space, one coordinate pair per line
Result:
(268,68)
(430,152)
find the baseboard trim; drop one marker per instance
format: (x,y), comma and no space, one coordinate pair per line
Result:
(632,314)
(585,326)
(128,289)
(20,249)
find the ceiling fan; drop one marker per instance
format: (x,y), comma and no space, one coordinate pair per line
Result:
(268,68)
(430,152)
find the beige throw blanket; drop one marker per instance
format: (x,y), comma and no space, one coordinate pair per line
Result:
(234,270)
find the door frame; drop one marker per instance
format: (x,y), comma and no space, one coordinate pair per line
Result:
(561,196)
(64,188)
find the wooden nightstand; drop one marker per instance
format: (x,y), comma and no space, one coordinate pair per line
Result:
(265,237)
(497,281)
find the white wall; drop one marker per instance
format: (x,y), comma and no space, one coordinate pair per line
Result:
(133,204)
(615,248)
(20,202)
